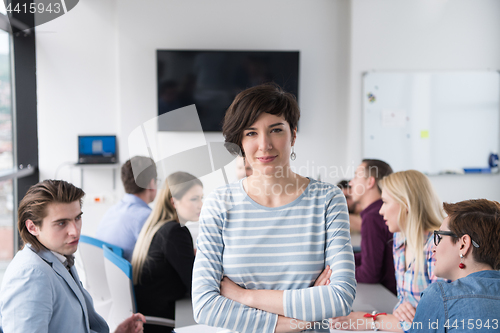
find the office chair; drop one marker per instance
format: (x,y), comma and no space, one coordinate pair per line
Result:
(90,258)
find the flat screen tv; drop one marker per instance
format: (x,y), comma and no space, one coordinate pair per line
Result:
(211,79)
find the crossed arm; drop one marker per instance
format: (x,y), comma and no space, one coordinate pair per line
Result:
(269,300)
(267,310)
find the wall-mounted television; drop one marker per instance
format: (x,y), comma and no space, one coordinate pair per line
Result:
(211,80)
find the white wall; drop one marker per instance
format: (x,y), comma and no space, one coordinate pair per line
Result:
(77,91)
(424,35)
(96,71)
(97,74)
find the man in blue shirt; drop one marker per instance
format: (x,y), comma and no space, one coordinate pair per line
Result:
(123,222)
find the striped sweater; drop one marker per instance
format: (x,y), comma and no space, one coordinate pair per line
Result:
(281,248)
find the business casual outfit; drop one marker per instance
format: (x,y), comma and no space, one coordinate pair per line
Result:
(39,294)
(166,274)
(282,248)
(123,222)
(375,263)
(469,304)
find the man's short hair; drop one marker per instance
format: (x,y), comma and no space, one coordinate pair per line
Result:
(34,205)
(480,219)
(137,174)
(377,169)
(343,184)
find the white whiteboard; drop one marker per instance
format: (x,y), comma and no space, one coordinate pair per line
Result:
(434,122)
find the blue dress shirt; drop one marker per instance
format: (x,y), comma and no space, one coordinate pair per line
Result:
(123,222)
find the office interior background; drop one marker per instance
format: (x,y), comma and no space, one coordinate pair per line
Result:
(96,74)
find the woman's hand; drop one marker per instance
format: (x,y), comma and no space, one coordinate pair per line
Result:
(405,312)
(231,290)
(324,278)
(355,321)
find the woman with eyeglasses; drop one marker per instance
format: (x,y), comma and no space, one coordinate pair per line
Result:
(468,253)
(412,211)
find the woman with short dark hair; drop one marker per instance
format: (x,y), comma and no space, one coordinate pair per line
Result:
(264,241)
(468,253)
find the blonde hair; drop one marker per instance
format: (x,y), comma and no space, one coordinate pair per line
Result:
(176,185)
(421,209)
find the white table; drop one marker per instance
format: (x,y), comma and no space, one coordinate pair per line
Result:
(371,297)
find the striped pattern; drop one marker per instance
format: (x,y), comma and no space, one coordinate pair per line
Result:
(281,248)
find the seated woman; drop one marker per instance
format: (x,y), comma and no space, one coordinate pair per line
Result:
(468,253)
(163,255)
(412,211)
(271,233)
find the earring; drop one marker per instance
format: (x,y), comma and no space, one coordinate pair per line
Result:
(461,265)
(293,156)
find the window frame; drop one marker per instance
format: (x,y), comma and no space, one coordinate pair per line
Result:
(24,108)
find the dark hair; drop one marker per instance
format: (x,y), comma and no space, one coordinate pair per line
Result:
(480,219)
(343,184)
(377,169)
(249,104)
(137,173)
(34,205)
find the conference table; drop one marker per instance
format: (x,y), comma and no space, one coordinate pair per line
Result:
(369,297)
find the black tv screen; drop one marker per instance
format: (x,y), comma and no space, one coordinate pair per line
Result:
(211,79)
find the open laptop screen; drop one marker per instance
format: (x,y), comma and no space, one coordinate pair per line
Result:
(96,149)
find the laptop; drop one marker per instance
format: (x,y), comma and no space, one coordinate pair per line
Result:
(97,149)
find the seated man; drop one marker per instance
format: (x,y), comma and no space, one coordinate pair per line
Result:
(375,263)
(123,222)
(41,290)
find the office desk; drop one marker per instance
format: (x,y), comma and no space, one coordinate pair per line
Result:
(369,297)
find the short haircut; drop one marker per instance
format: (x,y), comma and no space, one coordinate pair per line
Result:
(249,104)
(480,219)
(377,169)
(137,174)
(34,205)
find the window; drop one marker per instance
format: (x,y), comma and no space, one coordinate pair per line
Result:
(18,124)
(6,155)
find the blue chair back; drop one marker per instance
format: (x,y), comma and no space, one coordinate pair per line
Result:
(99,243)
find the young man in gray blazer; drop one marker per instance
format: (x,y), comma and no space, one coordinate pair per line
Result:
(41,290)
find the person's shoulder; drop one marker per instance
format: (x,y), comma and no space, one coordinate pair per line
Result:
(436,290)
(169,226)
(225,196)
(26,263)
(373,214)
(320,188)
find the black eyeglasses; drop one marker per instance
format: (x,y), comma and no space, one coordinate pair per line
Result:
(438,236)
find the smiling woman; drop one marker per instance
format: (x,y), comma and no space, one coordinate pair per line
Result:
(265,240)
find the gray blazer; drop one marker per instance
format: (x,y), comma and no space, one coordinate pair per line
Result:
(38,294)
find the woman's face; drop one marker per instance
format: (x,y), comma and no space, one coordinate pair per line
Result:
(189,206)
(447,255)
(390,211)
(267,144)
